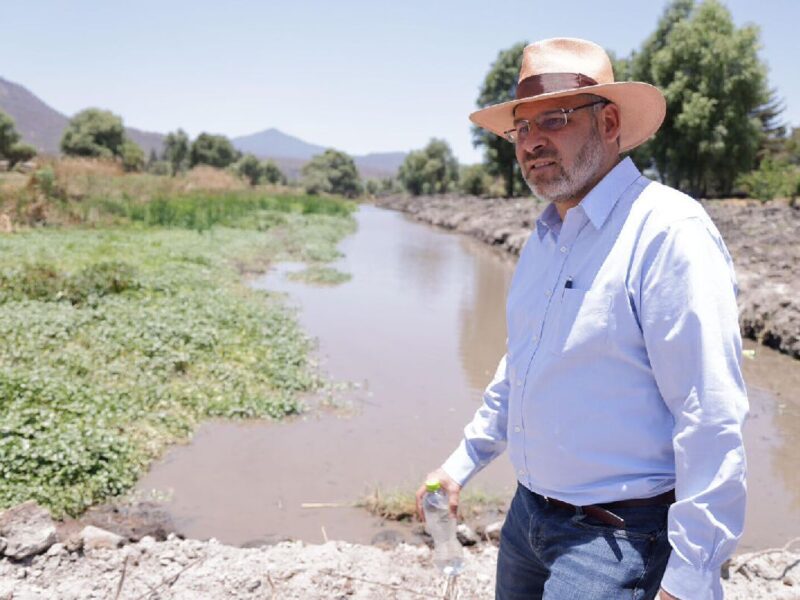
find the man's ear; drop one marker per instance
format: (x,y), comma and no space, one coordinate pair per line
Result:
(610,123)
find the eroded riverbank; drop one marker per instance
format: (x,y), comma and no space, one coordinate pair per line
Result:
(762,239)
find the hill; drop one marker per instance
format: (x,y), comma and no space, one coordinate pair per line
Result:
(291,153)
(42,126)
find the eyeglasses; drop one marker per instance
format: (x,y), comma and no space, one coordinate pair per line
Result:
(549,121)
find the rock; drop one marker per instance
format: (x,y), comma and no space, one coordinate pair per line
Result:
(74,543)
(465,535)
(387,539)
(94,537)
(56,550)
(28,530)
(492,531)
(3,544)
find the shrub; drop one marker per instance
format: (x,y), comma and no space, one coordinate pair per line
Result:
(214,150)
(250,168)
(332,172)
(432,170)
(774,178)
(474,180)
(95,133)
(132,157)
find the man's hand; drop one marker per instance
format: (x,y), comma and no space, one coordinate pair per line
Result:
(664,595)
(448,485)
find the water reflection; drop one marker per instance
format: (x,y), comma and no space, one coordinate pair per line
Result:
(482,314)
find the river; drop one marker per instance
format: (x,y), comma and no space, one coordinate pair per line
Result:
(419,330)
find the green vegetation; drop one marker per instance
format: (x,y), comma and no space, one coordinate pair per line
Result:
(498,86)
(401,505)
(116,341)
(432,170)
(11,148)
(94,133)
(474,180)
(256,171)
(213,150)
(774,178)
(176,151)
(320,275)
(332,172)
(715,86)
(271,173)
(132,157)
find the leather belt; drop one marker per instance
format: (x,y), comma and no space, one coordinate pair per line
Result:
(602,513)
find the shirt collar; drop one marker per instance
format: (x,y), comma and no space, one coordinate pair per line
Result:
(599,202)
(548,221)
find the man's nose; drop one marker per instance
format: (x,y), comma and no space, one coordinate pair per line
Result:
(532,142)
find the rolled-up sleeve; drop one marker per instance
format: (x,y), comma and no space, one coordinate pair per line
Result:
(689,320)
(485,436)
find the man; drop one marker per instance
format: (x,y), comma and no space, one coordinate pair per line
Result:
(620,396)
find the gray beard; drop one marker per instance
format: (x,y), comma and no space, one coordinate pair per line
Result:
(567,185)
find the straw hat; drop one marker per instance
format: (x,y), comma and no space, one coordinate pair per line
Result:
(561,67)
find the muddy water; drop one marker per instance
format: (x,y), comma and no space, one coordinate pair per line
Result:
(419,328)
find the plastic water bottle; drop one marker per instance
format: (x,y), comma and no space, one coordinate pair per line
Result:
(447,552)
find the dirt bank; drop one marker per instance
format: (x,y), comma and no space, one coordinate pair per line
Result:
(190,569)
(762,239)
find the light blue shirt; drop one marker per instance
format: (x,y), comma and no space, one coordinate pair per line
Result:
(622,375)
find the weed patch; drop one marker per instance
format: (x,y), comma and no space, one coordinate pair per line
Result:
(115,342)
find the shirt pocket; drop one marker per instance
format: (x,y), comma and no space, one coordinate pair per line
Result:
(582,321)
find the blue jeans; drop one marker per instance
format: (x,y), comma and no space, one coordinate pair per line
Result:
(557,554)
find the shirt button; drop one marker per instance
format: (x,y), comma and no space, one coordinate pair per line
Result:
(563,249)
(535,338)
(519,381)
(548,293)
(517,429)
(521,472)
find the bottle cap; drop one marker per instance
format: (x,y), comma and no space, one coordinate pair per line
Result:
(432,485)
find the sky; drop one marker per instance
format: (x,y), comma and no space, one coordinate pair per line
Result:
(358,75)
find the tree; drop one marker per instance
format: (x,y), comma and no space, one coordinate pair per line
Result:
(332,172)
(474,180)
(11,148)
(273,173)
(500,85)
(95,133)
(250,168)
(132,156)
(176,151)
(214,150)
(714,84)
(792,146)
(432,170)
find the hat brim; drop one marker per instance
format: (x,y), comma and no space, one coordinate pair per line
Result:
(642,109)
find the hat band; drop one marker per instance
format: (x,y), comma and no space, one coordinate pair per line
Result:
(545,83)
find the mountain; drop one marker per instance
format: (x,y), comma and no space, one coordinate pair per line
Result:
(273,142)
(290,153)
(42,126)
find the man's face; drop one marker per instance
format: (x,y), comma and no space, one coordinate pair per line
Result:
(561,165)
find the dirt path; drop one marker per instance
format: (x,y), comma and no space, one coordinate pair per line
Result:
(190,569)
(762,238)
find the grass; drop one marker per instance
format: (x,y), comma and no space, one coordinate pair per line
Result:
(115,341)
(400,505)
(320,275)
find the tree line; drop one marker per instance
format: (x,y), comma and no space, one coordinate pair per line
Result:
(722,134)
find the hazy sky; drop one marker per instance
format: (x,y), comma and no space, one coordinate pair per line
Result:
(361,75)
